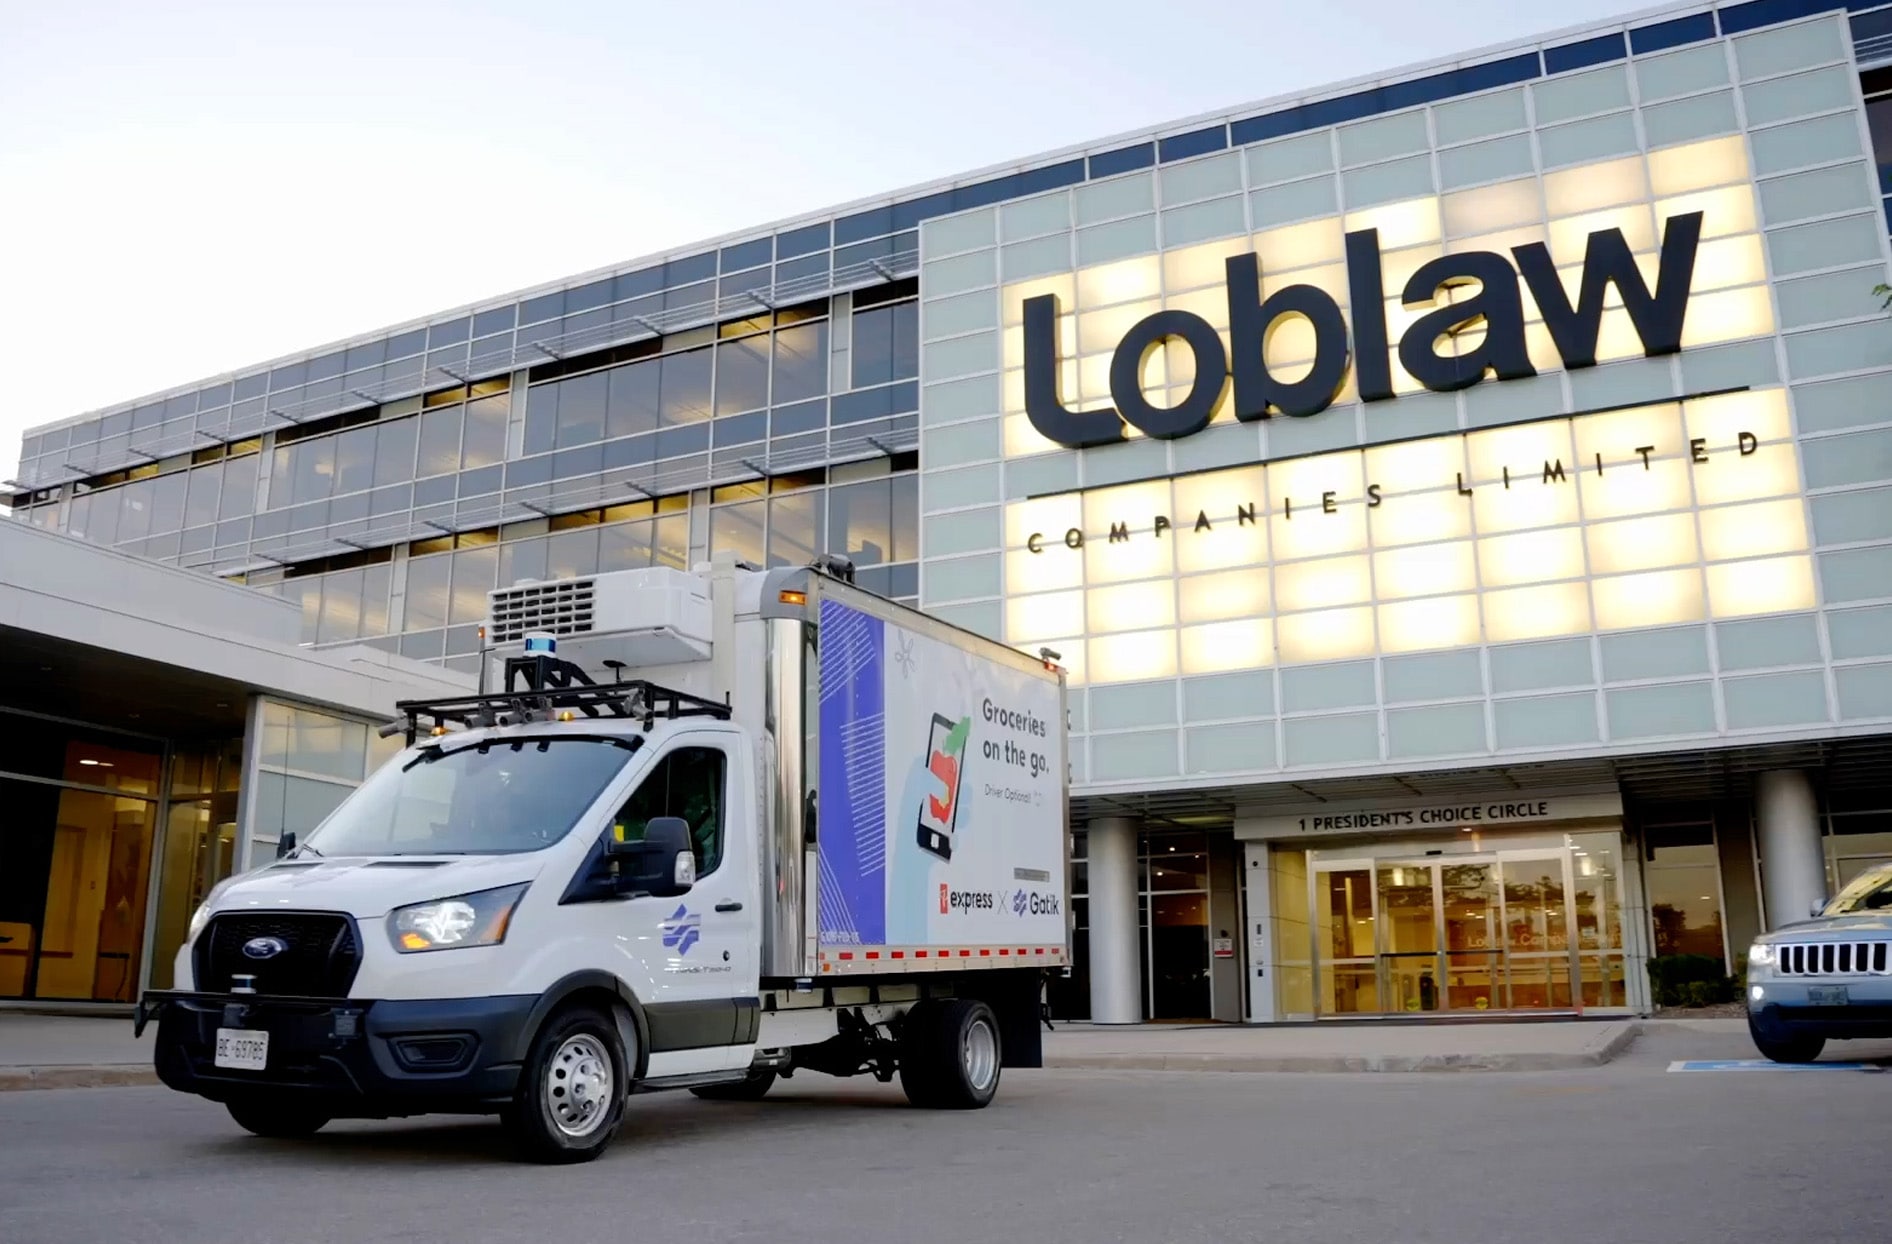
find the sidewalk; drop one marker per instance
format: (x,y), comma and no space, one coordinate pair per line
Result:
(58,1051)
(1485,1046)
(44,1051)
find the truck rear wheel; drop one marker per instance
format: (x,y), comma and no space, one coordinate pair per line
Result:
(753,1087)
(950,1055)
(276,1117)
(571,1093)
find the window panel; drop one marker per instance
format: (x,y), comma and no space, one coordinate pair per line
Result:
(439,441)
(473,577)
(861,520)
(239,486)
(624,546)
(633,404)
(905,515)
(354,460)
(520,560)
(739,529)
(542,417)
(374,599)
(687,783)
(572,554)
(801,362)
(886,344)
(484,441)
(684,388)
(312,470)
(394,452)
(340,617)
(427,583)
(796,535)
(670,545)
(742,375)
(167,502)
(581,410)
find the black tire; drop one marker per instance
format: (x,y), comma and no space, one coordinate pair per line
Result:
(1784,1047)
(570,1100)
(754,1087)
(277,1118)
(950,1055)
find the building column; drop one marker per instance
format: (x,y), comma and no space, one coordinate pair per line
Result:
(1115,967)
(1793,863)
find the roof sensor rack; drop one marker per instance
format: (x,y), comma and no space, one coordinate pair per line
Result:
(541,686)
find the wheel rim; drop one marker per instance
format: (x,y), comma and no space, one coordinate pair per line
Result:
(578,1083)
(981,1054)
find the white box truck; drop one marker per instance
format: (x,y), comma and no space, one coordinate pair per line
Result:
(717,827)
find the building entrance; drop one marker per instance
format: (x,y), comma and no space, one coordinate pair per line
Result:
(1532,929)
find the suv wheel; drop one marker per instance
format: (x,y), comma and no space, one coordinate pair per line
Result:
(1786,1047)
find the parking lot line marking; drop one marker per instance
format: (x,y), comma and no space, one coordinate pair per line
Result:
(1761,1064)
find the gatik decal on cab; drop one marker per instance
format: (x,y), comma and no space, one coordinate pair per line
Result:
(1498,306)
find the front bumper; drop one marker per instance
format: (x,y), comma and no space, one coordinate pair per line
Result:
(365,1058)
(1798,1007)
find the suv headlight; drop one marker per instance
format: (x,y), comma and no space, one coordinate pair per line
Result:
(478,919)
(1760,955)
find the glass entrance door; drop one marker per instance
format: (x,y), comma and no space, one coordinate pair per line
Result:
(1536,916)
(1470,933)
(1408,949)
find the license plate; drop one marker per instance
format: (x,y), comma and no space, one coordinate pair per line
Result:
(242,1049)
(1827,995)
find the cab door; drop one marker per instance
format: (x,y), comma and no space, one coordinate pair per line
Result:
(701,952)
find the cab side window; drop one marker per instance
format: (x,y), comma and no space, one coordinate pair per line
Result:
(687,783)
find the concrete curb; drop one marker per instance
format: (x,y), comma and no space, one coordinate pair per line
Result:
(121,1076)
(1607,1045)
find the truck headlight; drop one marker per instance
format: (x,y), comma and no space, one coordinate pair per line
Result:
(478,919)
(1760,955)
(199,919)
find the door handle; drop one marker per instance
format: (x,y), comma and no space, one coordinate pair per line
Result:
(729,904)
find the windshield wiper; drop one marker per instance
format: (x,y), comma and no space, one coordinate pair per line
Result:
(306,849)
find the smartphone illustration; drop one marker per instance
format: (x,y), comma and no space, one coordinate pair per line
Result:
(946,760)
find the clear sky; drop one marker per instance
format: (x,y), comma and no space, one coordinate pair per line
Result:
(196,185)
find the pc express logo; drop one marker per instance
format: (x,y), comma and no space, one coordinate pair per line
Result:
(965,900)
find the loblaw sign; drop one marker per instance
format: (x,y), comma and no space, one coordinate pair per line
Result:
(1498,305)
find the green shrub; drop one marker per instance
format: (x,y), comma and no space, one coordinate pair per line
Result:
(1691,980)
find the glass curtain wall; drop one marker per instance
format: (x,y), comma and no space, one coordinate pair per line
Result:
(307,761)
(199,846)
(1173,942)
(75,858)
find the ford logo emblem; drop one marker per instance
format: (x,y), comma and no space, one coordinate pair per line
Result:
(264,947)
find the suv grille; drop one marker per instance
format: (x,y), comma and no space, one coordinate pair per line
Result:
(560,608)
(1834,959)
(320,958)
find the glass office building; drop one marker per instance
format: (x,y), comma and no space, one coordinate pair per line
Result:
(1463,498)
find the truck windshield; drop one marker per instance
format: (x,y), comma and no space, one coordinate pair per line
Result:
(1869,891)
(488,798)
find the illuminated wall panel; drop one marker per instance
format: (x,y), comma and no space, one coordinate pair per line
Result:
(1695,513)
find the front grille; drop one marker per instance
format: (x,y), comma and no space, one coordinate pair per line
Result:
(1834,959)
(320,957)
(559,608)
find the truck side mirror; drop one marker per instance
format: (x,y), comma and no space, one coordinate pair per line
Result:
(1819,905)
(662,864)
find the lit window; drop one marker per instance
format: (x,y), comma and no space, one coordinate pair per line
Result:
(1417,625)
(1655,598)
(1325,636)
(1775,585)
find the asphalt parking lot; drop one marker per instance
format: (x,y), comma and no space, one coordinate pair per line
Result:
(1631,1151)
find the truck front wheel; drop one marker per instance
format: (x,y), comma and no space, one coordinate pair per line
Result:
(571,1093)
(950,1055)
(276,1117)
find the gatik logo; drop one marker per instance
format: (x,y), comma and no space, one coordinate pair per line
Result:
(1030,902)
(1497,306)
(966,900)
(682,930)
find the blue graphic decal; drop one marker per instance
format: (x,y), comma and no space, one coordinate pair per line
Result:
(852,848)
(682,930)
(1019,901)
